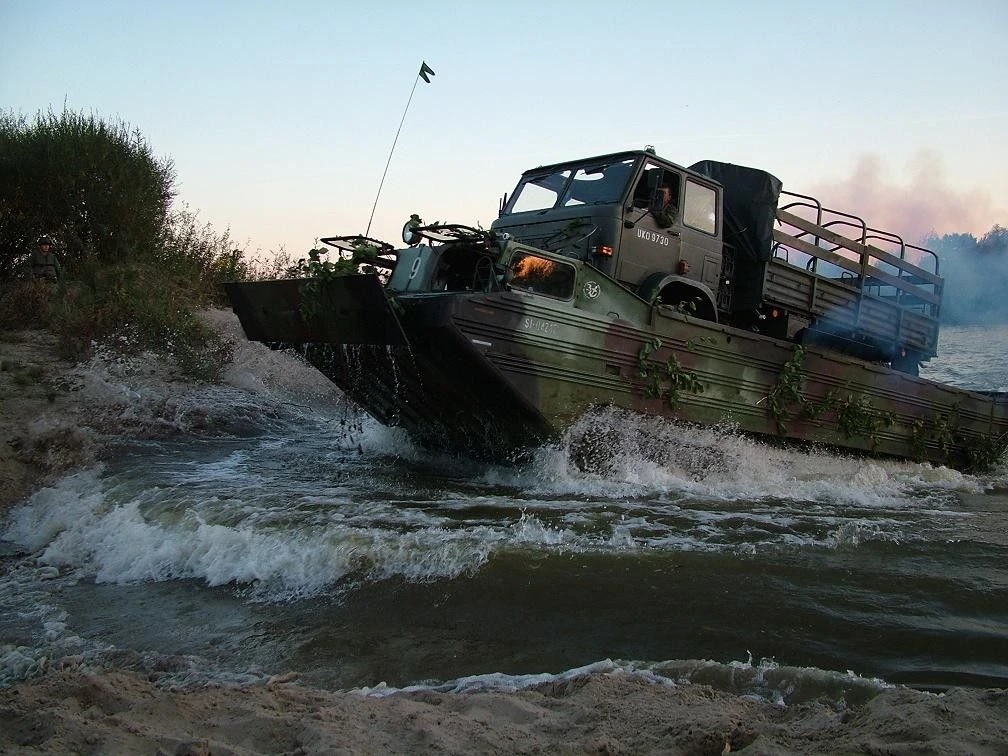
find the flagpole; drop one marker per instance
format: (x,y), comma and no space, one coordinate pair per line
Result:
(381,183)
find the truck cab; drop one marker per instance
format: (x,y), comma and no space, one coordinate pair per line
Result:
(650,224)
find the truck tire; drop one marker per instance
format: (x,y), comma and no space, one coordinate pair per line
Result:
(686,295)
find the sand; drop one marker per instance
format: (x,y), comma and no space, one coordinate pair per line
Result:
(85,711)
(49,427)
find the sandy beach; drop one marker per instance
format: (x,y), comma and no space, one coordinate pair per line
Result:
(86,711)
(49,426)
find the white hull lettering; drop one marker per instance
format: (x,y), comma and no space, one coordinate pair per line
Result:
(539,326)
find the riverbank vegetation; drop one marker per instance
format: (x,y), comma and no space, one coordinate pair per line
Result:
(135,266)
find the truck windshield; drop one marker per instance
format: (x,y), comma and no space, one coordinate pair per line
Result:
(596,184)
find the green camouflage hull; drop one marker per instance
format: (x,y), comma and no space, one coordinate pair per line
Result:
(492,373)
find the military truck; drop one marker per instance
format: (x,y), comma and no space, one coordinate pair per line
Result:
(712,240)
(706,295)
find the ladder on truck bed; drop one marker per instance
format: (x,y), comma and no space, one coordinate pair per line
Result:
(832,270)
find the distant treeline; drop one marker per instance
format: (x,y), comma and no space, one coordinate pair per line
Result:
(976,276)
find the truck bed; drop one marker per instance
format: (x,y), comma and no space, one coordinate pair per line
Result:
(850,286)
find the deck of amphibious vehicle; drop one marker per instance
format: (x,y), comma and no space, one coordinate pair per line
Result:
(697,294)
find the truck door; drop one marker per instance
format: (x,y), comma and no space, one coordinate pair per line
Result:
(701,238)
(652,229)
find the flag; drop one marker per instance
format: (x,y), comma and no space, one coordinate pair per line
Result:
(426,71)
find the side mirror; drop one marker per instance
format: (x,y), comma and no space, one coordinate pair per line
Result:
(661,199)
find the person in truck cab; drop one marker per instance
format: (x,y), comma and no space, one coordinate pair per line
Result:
(662,186)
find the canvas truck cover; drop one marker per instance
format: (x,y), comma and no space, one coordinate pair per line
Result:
(750,206)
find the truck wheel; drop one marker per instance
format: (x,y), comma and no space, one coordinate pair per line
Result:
(688,300)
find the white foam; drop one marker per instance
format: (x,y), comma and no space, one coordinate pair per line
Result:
(224,520)
(28,600)
(55,509)
(643,456)
(498,681)
(73,525)
(764,681)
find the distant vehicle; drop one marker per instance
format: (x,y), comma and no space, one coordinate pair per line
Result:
(703,294)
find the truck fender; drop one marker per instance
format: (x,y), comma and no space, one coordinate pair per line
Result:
(679,289)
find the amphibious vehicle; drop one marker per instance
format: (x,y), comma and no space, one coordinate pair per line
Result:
(706,295)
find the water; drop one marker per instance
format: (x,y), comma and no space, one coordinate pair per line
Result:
(278,531)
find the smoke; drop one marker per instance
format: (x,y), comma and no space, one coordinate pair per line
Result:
(926,205)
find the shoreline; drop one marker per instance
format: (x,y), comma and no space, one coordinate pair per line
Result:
(78,709)
(51,425)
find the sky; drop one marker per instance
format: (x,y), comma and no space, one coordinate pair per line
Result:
(280,118)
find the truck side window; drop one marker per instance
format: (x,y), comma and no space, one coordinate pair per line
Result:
(700,210)
(646,184)
(652,178)
(542,276)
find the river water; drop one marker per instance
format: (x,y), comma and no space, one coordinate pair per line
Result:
(266,529)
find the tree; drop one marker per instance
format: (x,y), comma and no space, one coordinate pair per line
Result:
(95,186)
(994,241)
(976,276)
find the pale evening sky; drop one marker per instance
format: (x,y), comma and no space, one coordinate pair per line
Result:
(279,117)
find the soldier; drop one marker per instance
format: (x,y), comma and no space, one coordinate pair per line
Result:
(44,262)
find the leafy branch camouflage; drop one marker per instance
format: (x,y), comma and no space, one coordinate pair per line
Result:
(854,414)
(787,390)
(316,271)
(666,380)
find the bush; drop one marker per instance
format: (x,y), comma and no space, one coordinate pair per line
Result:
(198,254)
(25,304)
(130,307)
(135,270)
(96,186)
